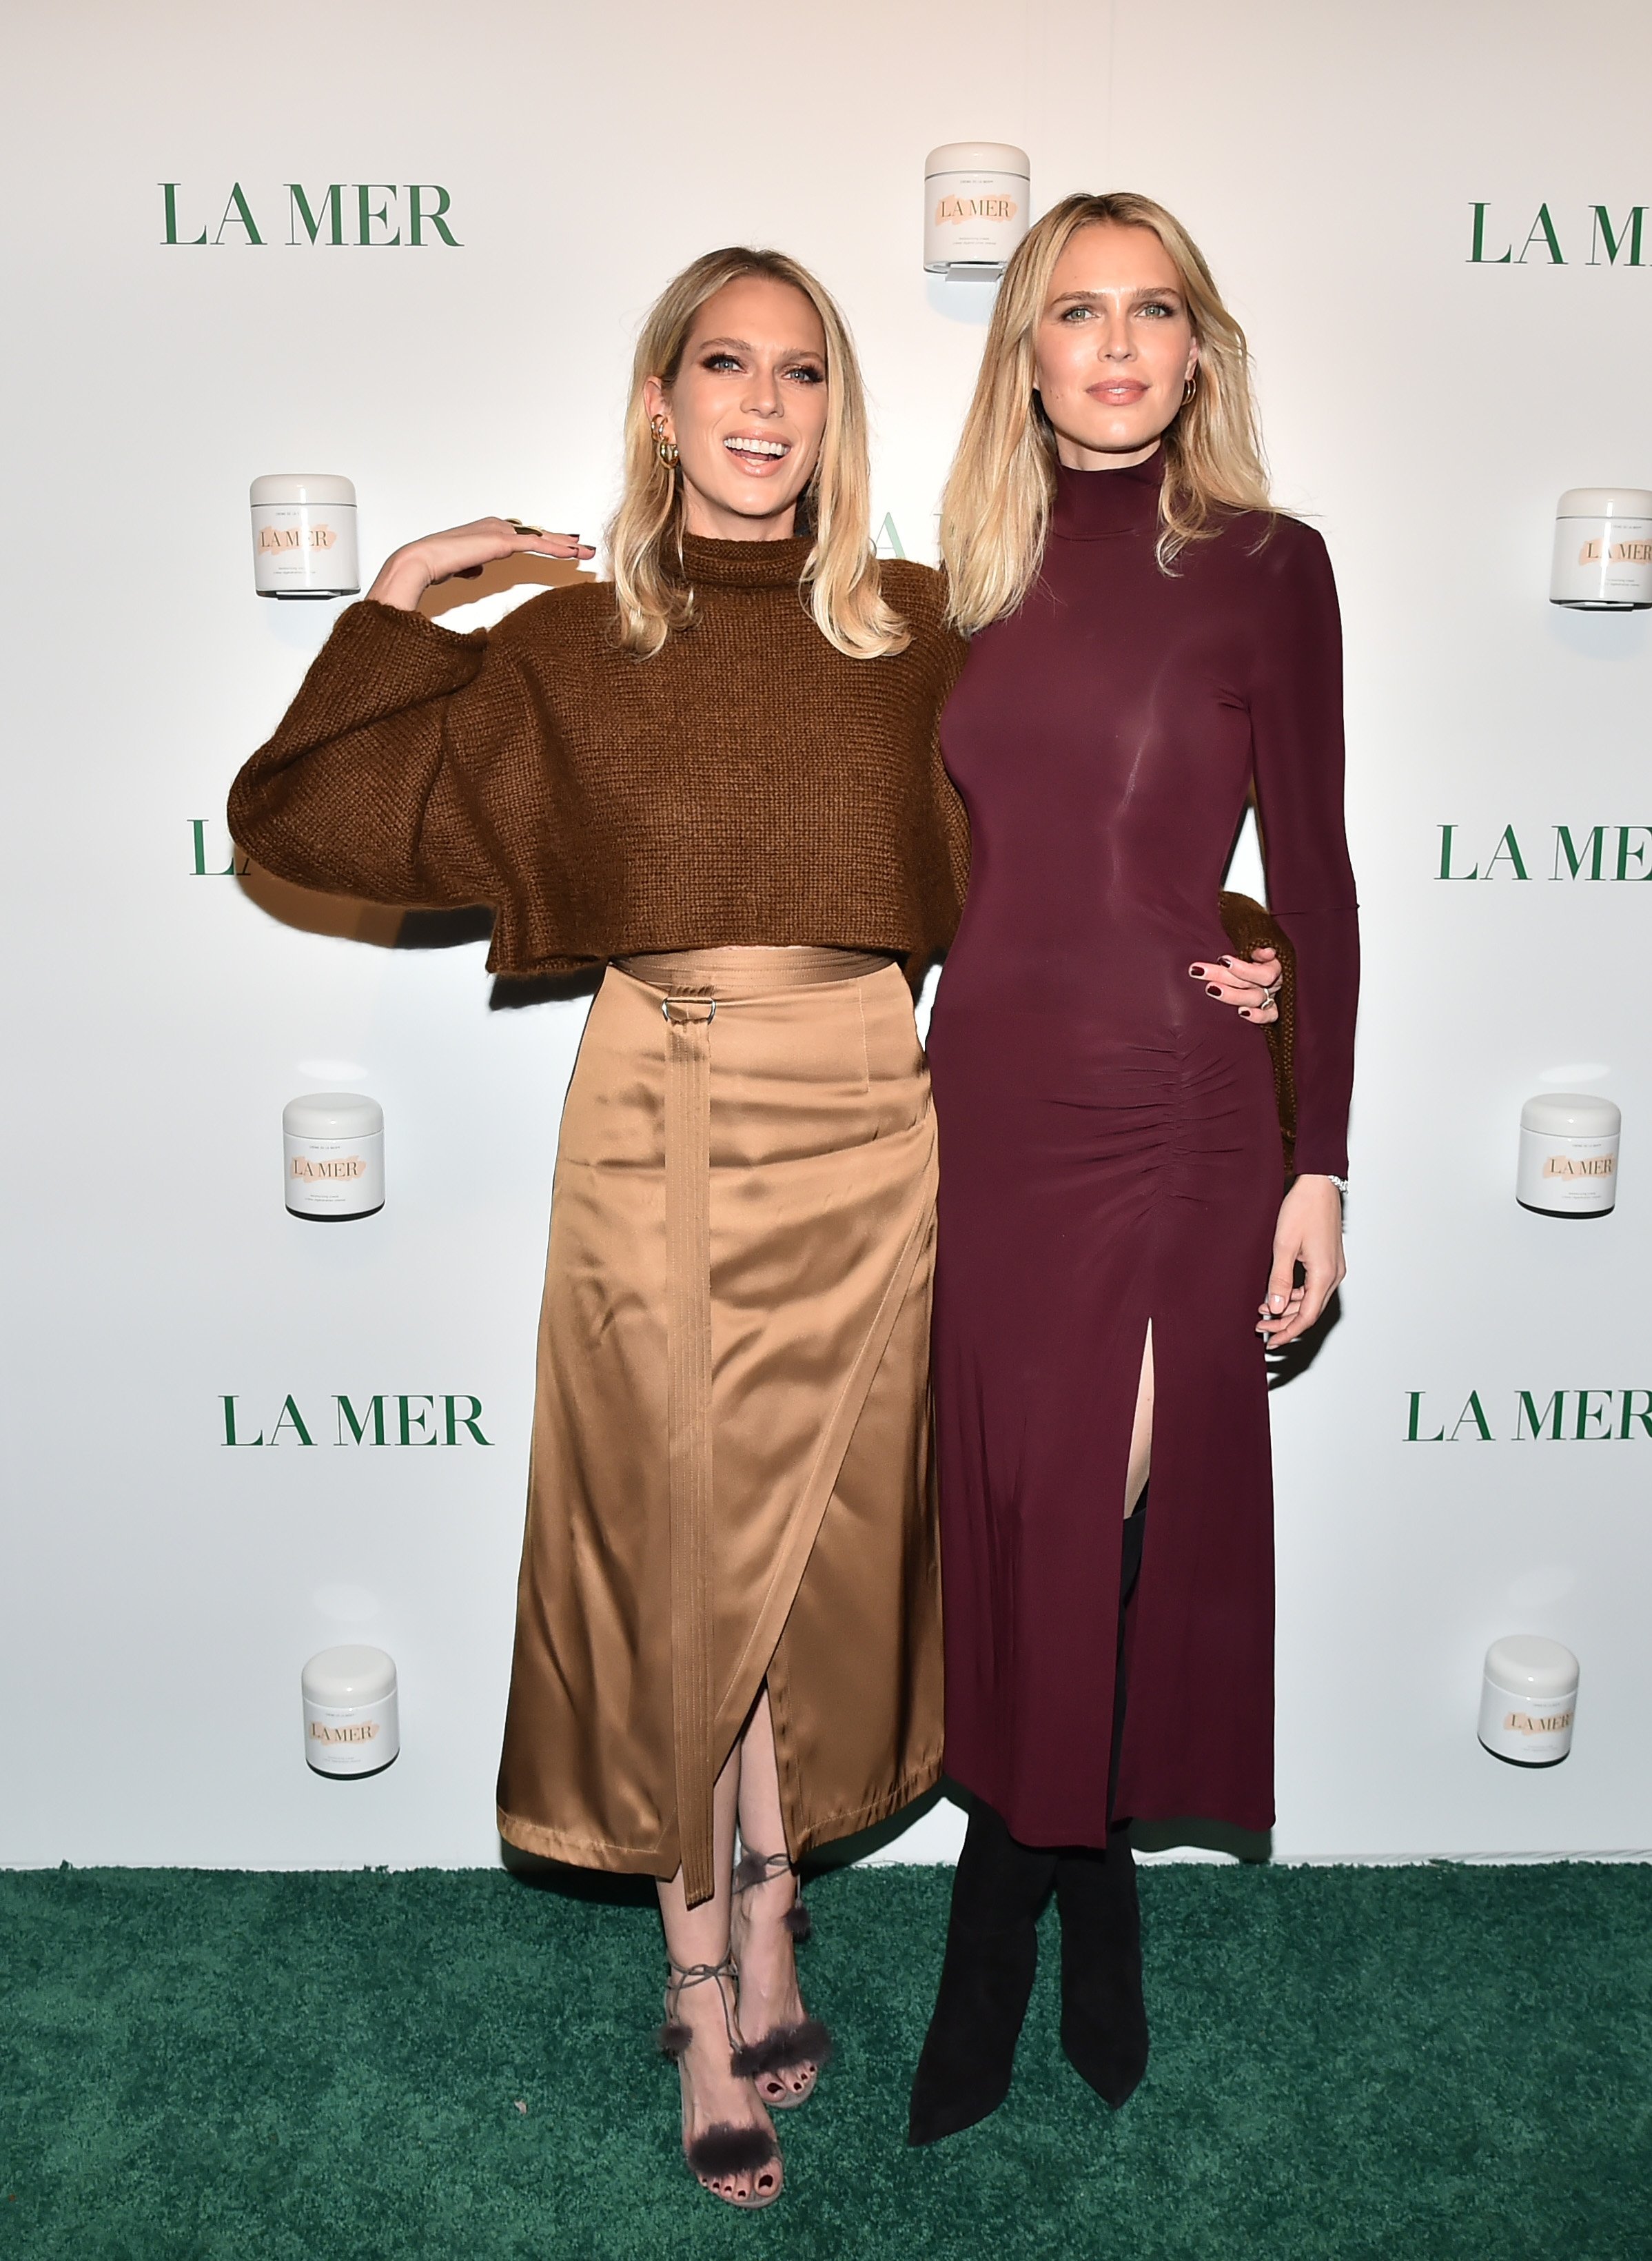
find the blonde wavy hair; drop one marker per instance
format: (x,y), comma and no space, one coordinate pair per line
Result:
(839,580)
(995,513)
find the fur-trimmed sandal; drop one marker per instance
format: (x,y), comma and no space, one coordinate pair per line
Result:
(722,2153)
(804,2046)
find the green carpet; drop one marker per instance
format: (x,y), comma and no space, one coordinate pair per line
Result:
(1398,2064)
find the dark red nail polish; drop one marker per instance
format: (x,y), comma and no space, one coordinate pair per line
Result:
(1211,989)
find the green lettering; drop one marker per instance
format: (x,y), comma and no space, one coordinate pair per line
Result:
(198,826)
(1527,1411)
(1603,234)
(1625,852)
(298,210)
(1644,1417)
(1510,847)
(888,533)
(1586,1413)
(417,216)
(1596,842)
(358,1429)
(408,1416)
(1446,872)
(1473,1411)
(230,1437)
(1477,257)
(471,1420)
(366,218)
(1544,227)
(237,209)
(169,190)
(290,1418)
(1414,1419)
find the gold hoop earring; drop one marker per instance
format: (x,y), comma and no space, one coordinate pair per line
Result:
(667,450)
(1190,386)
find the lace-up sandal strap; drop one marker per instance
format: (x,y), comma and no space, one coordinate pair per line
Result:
(753,1869)
(672,2037)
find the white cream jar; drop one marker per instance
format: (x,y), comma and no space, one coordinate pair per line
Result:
(1529,1700)
(303,535)
(975,199)
(334,1153)
(351,1723)
(1568,1154)
(1603,549)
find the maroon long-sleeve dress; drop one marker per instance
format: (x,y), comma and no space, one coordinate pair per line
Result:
(1109,1152)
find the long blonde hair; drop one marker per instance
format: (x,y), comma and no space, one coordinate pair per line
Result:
(840,579)
(995,513)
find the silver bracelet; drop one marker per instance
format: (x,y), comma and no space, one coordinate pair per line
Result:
(1340,1183)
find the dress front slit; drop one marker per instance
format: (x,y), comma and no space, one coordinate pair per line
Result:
(732,1353)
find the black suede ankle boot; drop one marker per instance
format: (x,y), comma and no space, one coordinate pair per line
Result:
(986,1980)
(1104,2019)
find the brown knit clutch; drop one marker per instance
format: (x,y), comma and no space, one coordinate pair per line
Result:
(1249,927)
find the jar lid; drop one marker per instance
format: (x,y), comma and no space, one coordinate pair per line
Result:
(1605,502)
(338,1677)
(305,486)
(1572,1115)
(1526,1664)
(332,1115)
(977,157)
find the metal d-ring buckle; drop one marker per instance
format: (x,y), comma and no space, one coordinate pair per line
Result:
(666,1003)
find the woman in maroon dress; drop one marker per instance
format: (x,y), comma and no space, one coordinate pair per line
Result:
(1151,644)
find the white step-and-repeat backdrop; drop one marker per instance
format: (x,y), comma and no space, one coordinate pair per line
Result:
(411,247)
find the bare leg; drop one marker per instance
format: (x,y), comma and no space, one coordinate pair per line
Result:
(1141,1459)
(768,1993)
(711,2094)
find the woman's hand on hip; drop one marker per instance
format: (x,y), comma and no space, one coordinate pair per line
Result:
(1310,1233)
(1252,983)
(462,551)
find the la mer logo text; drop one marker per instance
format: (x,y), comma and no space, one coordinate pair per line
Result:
(416,1421)
(1581,856)
(1567,1417)
(1620,238)
(295,537)
(956,211)
(345,1165)
(362,1731)
(382,214)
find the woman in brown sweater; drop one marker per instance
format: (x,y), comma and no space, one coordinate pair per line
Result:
(717,776)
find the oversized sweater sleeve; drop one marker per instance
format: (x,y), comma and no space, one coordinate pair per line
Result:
(388,775)
(1295,713)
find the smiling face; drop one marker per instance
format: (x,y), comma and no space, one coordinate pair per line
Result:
(1114,346)
(747,410)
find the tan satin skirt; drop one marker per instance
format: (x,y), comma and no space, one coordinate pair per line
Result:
(730,1483)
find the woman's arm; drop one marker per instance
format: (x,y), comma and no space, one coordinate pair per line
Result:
(379,777)
(1296,709)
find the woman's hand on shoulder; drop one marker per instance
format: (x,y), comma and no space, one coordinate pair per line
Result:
(461,551)
(1309,1232)
(1249,985)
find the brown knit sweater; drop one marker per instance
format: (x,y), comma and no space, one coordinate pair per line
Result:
(748,785)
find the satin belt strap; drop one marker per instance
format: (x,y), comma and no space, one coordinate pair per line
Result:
(693,983)
(735,975)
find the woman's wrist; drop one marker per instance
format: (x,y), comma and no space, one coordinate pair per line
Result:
(403,579)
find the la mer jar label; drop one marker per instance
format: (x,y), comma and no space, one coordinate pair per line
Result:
(1603,549)
(303,535)
(1568,1154)
(333,1148)
(975,196)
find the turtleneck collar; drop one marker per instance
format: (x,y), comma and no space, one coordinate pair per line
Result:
(1089,506)
(711,564)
